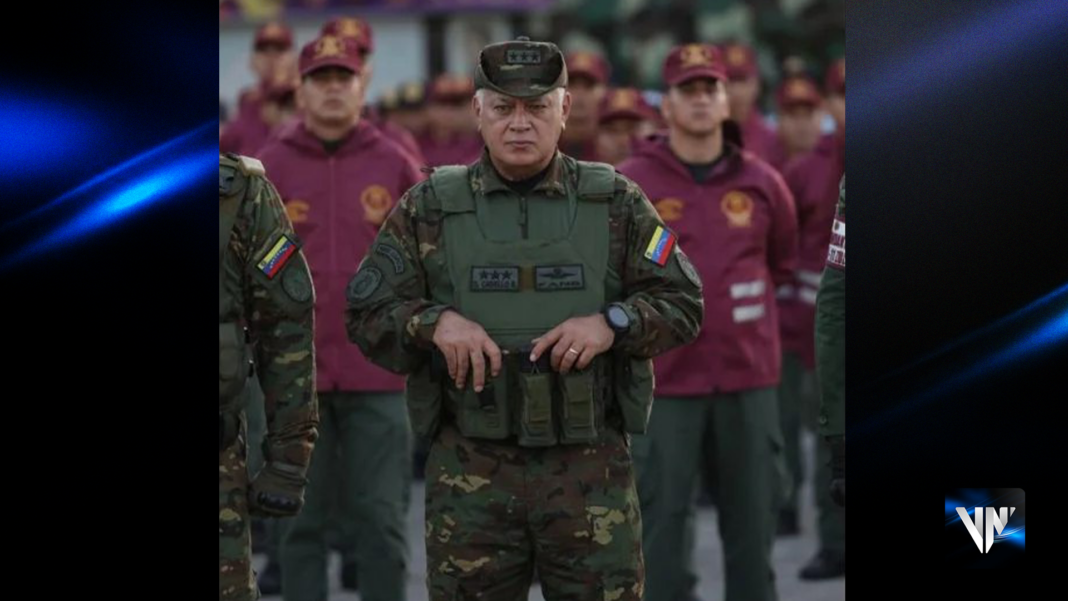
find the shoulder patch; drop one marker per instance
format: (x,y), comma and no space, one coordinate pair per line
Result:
(365,282)
(296,284)
(392,255)
(660,244)
(279,254)
(687,268)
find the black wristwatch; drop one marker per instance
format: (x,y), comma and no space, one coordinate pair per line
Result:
(618,319)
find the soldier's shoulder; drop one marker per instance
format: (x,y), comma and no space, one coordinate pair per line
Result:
(597,178)
(247,165)
(624,183)
(234,173)
(626,193)
(421,199)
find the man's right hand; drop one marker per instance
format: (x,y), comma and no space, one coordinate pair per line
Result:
(463,343)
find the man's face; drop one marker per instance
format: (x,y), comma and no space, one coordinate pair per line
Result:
(614,139)
(697,107)
(332,95)
(269,59)
(647,127)
(521,133)
(277,111)
(836,107)
(799,127)
(585,96)
(743,95)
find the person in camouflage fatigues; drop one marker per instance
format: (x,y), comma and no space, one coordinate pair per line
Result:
(830,350)
(547,365)
(266,298)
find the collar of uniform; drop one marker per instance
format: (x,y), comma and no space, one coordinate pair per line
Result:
(360,138)
(552,183)
(732,153)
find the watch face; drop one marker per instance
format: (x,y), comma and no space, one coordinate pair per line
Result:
(617,317)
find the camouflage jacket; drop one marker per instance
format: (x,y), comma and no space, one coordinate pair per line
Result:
(273,287)
(394,325)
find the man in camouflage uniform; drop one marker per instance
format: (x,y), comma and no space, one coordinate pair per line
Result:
(266,298)
(523,295)
(830,350)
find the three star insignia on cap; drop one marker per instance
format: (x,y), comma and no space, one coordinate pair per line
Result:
(523,57)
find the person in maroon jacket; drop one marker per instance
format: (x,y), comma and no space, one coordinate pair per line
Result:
(587,78)
(743,90)
(360,31)
(813,178)
(339,177)
(451,137)
(800,114)
(272,57)
(620,116)
(716,402)
(278,105)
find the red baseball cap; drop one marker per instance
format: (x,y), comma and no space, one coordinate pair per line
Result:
(797,90)
(587,64)
(273,33)
(692,61)
(330,51)
(740,62)
(351,27)
(623,103)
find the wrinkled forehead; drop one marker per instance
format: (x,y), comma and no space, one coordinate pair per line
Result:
(492,96)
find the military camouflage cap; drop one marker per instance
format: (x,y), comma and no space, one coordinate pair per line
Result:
(521,68)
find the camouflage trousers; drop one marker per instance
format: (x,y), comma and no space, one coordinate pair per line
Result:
(495,511)
(237,582)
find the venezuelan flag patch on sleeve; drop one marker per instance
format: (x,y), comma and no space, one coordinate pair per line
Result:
(276,258)
(660,246)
